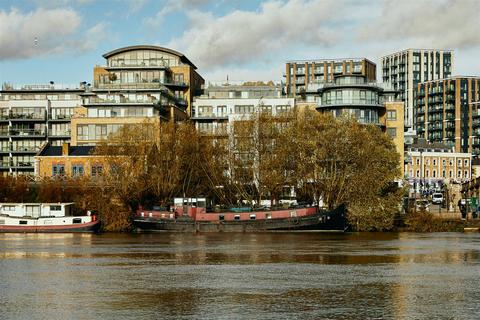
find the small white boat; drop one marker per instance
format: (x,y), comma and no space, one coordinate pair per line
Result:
(44,217)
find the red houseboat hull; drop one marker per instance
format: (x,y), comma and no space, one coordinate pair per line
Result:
(299,219)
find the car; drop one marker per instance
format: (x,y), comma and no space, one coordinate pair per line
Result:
(422,205)
(437,198)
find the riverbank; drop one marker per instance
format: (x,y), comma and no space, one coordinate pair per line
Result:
(429,222)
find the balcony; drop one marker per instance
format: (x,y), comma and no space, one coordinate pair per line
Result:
(121,100)
(27,117)
(60,134)
(19,133)
(132,86)
(60,118)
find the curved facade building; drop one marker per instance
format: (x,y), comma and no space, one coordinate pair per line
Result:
(352,95)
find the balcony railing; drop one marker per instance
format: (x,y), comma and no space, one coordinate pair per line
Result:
(27,132)
(100,101)
(27,116)
(59,133)
(60,117)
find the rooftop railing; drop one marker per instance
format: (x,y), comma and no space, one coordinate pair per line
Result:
(38,87)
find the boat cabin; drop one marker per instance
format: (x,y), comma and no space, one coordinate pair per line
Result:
(36,210)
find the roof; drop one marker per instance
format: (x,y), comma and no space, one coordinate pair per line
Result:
(330,60)
(56,151)
(149,47)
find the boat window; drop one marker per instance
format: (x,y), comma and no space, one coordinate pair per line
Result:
(253,217)
(2,221)
(55,208)
(23,222)
(77,220)
(8,208)
(221,217)
(268,215)
(236,217)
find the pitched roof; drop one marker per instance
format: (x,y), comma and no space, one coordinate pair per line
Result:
(56,151)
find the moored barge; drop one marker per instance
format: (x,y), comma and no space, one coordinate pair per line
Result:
(190,215)
(44,218)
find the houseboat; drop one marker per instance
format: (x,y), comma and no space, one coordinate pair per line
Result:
(190,215)
(45,217)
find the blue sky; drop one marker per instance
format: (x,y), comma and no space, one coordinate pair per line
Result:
(61,40)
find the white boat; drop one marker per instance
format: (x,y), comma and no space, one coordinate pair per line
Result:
(44,217)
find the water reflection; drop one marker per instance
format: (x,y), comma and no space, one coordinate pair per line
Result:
(270,275)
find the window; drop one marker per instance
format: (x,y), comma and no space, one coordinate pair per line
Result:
(392,132)
(459,174)
(8,208)
(77,170)
(58,170)
(97,170)
(281,109)
(392,115)
(55,208)
(434,162)
(466,162)
(465,174)
(244,109)
(459,162)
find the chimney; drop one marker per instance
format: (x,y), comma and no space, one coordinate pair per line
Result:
(65,148)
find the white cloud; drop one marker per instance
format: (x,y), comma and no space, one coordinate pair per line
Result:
(426,23)
(241,37)
(170,7)
(45,32)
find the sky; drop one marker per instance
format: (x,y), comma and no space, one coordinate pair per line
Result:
(62,40)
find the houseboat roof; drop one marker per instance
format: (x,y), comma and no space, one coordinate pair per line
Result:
(36,203)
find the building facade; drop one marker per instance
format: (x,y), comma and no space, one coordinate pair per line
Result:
(222,105)
(138,83)
(30,116)
(303,78)
(447,111)
(369,103)
(68,161)
(404,70)
(430,166)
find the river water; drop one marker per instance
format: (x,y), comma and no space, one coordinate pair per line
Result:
(240,276)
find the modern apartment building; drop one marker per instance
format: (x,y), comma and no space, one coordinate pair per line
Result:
(137,83)
(368,102)
(404,70)
(222,105)
(303,77)
(431,165)
(30,116)
(447,111)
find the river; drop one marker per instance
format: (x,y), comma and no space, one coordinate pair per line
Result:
(240,276)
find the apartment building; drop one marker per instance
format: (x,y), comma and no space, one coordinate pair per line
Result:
(404,70)
(304,77)
(369,102)
(138,83)
(448,111)
(30,116)
(222,105)
(431,165)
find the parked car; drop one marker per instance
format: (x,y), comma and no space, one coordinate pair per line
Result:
(422,205)
(437,198)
